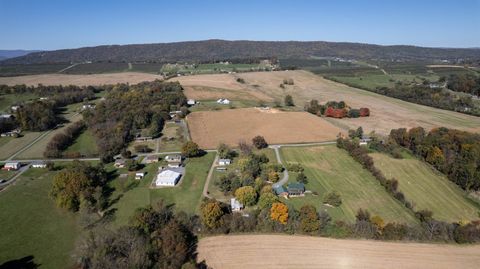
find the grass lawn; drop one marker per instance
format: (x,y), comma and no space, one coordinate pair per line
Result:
(37,149)
(211,105)
(186,196)
(428,189)
(32,225)
(331,169)
(7,100)
(12,145)
(172,137)
(84,144)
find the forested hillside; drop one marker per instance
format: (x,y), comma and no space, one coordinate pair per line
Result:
(209,50)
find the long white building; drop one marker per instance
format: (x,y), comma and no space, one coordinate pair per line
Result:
(167,178)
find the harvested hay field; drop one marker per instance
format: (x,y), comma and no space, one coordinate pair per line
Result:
(386,113)
(209,128)
(283,251)
(80,80)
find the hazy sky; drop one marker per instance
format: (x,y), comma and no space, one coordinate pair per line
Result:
(56,24)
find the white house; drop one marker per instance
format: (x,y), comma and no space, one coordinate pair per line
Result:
(14,108)
(223,101)
(11,166)
(6,116)
(167,178)
(174,161)
(39,165)
(191,102)
(139,175)
(88,106)
(224,162)
(236,205)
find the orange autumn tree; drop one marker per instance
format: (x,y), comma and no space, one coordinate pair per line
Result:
(279,212)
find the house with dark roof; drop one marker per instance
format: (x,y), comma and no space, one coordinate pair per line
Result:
(296,189)
(281,191)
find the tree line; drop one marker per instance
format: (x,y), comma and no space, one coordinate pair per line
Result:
(467,83)
(335,109)
(61,141)
(131,110)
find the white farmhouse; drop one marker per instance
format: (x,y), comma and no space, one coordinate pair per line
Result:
(191,102)
(167,178)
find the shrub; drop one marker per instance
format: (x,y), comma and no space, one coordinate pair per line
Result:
(333,199)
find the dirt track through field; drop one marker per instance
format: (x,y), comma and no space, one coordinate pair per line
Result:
(230,126)
(386,113)
(80,80)
(283,251)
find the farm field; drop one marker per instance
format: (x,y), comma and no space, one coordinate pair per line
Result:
(13,145)
(80,80)
(428,189)
(7,100)
(30,69)
(32,225)
(209,128)
(284,251)
(331,169)
(386,113)
(185,197)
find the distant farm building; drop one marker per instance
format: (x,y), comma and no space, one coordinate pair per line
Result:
(167,178)
(39,165)
(88,106)
(223,101)
(11,166)
(365,140)
(151,159)
(174,160)
(224,162)
(191,102)
(236,205)
(6,116)
(139,175)
(119,163)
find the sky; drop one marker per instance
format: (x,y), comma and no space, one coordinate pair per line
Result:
(58,24)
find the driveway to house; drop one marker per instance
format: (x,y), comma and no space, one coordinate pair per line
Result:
(284,179)
(209,177)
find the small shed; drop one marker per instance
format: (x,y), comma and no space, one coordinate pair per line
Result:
(224,162)
(191,102)
(236,205)
(139,175)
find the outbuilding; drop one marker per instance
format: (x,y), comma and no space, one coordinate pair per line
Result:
(139,175)
(39,165)
(167,178)
(236,205)
(224,162)
(119,163)
(151,159)
(11,166)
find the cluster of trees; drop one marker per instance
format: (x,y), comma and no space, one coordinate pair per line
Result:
(155,238)
(335,109)
(41,115)
(251,174)
(467,83)
(61,141)
(453,152)
(278,217)
(81,187)
(130,108)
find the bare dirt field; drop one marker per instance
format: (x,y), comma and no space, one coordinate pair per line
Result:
(80,80)
(386,113)
(215,86)
(209,128)
(283,251)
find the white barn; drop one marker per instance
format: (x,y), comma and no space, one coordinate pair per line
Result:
(167,178)
(11,166)
(223,101)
